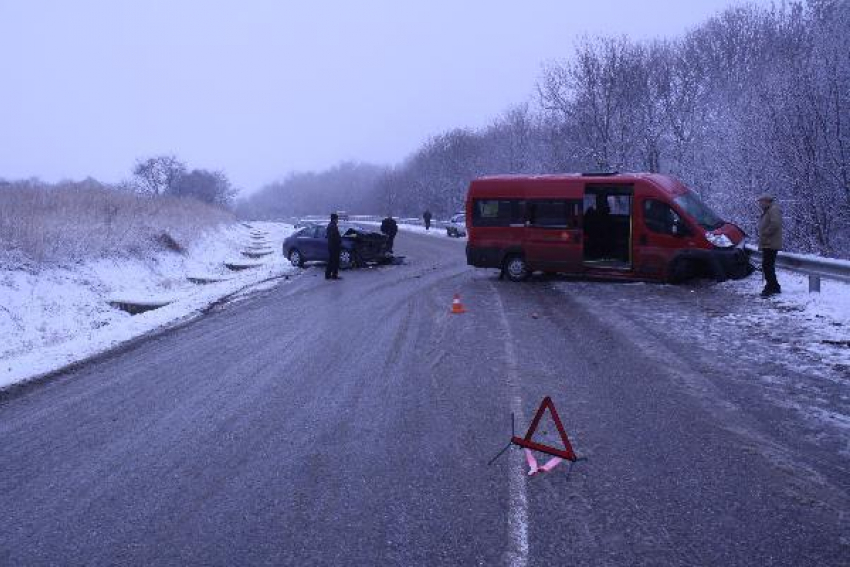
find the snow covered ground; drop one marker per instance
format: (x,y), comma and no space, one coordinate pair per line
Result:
(419,229)
(63,315)
(823,319)
(790,351)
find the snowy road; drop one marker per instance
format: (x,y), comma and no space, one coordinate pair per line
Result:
(350,423)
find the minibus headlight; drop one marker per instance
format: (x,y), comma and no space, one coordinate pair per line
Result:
(719,240)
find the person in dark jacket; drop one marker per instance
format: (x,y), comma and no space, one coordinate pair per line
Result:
(390,228)
(770,242)
(334,248)
(426,216)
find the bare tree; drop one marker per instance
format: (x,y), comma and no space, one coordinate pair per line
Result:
(208,186)
(157,175)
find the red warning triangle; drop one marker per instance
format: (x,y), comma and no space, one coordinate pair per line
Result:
(528,443)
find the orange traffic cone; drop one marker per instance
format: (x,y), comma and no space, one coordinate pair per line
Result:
(457,306)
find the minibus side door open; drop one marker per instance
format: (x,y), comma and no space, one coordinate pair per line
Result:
(607,225)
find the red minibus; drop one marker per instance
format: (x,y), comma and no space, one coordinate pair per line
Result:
(625,226)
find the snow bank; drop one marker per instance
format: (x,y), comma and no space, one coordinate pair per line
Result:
(62,315)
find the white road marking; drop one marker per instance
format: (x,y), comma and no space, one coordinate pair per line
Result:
(518,510)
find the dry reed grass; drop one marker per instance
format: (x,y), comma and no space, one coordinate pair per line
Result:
(69,222)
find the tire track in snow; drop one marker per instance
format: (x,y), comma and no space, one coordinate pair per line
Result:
(518,506)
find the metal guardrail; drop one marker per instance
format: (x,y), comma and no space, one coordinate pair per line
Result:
(813,266)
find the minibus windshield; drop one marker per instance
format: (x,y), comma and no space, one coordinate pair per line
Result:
(700,212)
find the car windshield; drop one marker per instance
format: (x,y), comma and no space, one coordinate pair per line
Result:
(699,211)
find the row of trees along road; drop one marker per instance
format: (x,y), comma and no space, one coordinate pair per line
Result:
(753,100)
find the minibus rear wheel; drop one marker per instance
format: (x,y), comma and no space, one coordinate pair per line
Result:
(516,269)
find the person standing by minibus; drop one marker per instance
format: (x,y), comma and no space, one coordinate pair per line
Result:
(334,249)
(770,242)
(426,216)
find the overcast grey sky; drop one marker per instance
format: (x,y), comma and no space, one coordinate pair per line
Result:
(261,88)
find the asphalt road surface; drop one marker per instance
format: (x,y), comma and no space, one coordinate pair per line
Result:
(351,422)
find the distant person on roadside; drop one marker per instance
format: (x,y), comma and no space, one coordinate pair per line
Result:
(770,242)
(390,228)
(426,216)
(334,248)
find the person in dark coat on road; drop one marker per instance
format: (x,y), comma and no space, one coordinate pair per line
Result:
(426,216)
(334,248)
(390,228)
(770,242)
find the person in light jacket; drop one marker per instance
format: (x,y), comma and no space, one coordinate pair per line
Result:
(770,242)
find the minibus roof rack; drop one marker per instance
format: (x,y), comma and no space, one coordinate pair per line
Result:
(600,173)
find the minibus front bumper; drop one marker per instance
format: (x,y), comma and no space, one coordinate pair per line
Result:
(723,263)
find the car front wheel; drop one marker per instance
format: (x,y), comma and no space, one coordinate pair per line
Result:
(347,259)
(296,258)
(516,269)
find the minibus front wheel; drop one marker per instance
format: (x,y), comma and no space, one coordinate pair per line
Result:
(516,269)
(681,270)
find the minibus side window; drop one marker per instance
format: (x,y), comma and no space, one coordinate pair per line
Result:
(498,212)
(554,213)
(620,205)
(661,218)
